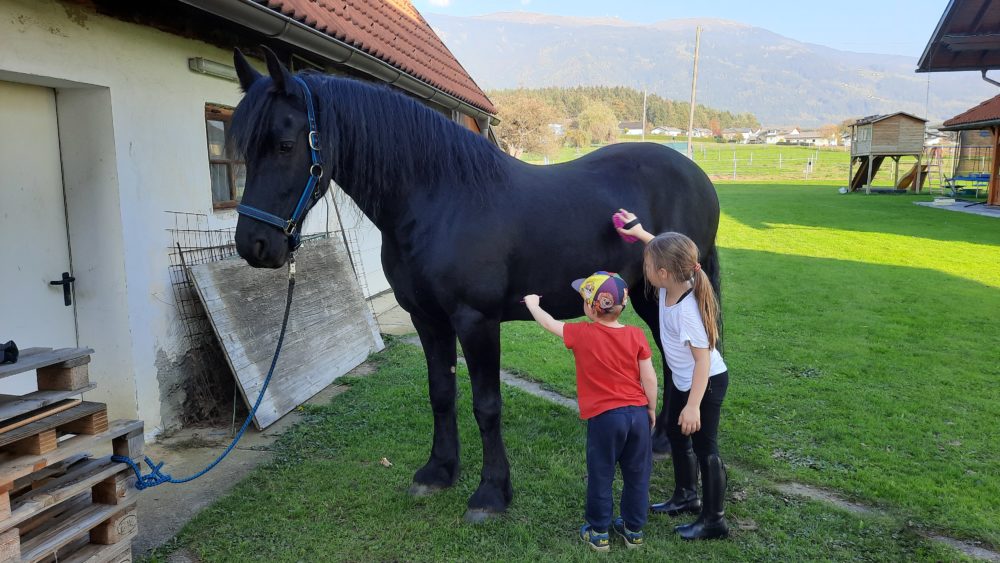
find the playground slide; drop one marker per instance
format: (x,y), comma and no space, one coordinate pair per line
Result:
(906,182)
(861,175)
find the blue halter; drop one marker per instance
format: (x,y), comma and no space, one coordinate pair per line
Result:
(312,192)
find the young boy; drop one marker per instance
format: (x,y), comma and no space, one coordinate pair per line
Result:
(616,391)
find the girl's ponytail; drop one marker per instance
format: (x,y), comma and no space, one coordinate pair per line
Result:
(708,305)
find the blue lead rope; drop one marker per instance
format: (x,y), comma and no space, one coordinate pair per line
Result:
(158,477)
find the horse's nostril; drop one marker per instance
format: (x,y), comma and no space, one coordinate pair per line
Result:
(259,247)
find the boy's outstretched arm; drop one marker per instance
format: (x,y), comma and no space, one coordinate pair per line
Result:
(647,378)
(543,318)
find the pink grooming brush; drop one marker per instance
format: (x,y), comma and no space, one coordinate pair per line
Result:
(619,223)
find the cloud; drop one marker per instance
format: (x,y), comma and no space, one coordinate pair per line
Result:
(439,3)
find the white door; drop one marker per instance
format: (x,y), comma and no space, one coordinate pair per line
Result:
(34,245)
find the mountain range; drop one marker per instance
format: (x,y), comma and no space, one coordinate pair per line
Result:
(741,68)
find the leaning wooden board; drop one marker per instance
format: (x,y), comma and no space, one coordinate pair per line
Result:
(331,330)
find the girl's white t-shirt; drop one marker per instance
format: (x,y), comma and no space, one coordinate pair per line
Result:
(681,324)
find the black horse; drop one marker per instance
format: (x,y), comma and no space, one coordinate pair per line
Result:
(467,231)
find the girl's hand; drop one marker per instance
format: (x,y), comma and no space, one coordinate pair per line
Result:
(651,411)
(690,420)
(531,300)
(627,216)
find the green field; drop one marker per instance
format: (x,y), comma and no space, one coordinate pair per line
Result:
(760,163)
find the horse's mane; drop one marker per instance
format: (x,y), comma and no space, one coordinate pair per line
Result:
(383,141)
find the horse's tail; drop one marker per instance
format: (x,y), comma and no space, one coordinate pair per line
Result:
(714,271)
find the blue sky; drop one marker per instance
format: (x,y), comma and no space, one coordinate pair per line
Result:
(873,26)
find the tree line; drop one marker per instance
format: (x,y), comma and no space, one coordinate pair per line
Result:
(591,114)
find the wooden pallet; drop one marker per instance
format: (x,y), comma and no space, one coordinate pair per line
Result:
(14,406)
(80,511)
(108,530)
(126,440)
(64,369)
(42,435)
(62,498)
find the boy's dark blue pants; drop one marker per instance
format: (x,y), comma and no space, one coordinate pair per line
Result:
(618,436)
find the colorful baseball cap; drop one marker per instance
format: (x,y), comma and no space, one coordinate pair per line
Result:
(605,289)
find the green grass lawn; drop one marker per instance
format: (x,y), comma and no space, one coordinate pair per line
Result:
(862,339)
(861,335)
(327,497)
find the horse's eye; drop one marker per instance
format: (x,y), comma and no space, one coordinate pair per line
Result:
(285,147)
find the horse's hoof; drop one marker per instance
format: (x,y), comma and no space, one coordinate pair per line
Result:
(478,515)
(421,490)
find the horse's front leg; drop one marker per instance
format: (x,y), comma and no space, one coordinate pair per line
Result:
(441,470)
(480,338)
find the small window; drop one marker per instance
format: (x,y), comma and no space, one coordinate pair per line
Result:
(227,174)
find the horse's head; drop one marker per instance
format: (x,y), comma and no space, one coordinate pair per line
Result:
(274,126)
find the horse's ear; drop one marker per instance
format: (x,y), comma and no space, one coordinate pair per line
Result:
(246,73)
(279,74)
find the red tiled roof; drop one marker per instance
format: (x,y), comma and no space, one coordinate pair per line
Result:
(393,31)
(984,112)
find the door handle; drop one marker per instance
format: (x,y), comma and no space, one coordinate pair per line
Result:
(67,284)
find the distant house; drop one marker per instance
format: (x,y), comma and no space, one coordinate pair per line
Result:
(631,127)
(557,128)
(810,138)
(668,131)
(773,136)
(701,132)
(742,135)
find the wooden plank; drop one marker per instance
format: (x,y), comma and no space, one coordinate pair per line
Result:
(45,520)
(10,546)
(94,553)
(15,467)
(41,413)
(15,405)
(34,358)
(65,531)
(59,420)
(58,378)
(330,329)
(40,477)
(88,476)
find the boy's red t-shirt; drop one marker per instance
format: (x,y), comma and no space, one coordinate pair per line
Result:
(607,366)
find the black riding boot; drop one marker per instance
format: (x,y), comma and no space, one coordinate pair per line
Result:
(711,523)
(685,498)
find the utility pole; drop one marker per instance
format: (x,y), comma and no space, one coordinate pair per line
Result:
(694,88)
(644,114)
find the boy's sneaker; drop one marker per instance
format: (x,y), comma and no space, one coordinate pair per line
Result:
(596,540)
(632,539)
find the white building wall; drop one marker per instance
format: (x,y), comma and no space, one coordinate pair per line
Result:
(129,88)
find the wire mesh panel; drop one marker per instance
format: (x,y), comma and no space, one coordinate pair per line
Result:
(194,243)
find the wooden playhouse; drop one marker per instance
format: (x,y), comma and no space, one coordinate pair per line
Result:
(877,137)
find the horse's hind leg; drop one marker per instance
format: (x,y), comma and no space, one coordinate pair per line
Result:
(441,470)
(480,338)
(714,271)
(645,305)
